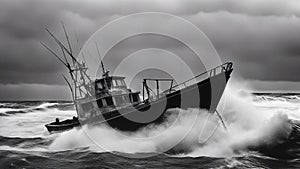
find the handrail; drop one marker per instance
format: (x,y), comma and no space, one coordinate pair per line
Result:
(212,72)
(148,89)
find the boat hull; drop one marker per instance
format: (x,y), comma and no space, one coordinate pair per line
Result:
(62,126)
(204,95)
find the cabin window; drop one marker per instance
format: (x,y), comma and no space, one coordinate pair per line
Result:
(123,82)
(104,102)
(109,101)
(135,98)
(126,99)
(99,85)
(115,83)
(99,103)
(108,83)
(118,82)
(87,107)
(118,100)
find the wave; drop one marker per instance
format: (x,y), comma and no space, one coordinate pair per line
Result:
(278,98)
(13,105)
(260,134)
(63,106)
(7,109)
(30,122)
(258,126)
(14,141)
(192,132)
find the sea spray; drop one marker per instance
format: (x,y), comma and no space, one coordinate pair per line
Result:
(28,119)
(248,127)
(176,133)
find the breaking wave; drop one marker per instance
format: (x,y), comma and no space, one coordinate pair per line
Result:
(27,119)
(262,131)
(192,132)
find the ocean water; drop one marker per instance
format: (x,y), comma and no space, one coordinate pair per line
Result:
(263,131)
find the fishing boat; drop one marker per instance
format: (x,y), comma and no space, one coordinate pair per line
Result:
(108,100)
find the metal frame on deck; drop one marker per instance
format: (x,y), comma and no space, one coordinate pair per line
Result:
(210,73)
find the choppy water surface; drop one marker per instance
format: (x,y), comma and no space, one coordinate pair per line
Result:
(263,132)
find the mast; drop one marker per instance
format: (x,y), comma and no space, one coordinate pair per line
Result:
(78,71)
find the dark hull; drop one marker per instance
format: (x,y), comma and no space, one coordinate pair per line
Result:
(62,126)
(204,95)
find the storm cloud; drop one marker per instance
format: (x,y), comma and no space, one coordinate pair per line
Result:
(262,37)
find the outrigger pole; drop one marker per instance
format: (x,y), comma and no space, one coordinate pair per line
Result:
(82,82)
(67,37)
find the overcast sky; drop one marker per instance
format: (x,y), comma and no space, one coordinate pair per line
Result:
(262,38)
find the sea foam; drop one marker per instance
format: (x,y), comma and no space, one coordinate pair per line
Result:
(191,132)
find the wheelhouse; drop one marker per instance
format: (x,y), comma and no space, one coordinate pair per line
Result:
(112,91)
(110,82)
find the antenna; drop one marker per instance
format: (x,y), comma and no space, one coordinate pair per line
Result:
(105,73)
(103,69)
(78,45)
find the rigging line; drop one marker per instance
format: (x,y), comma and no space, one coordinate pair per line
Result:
(215,129)
(68,64)
(73,94)
(70,87)
(45,46)
(97,47)
(83,57)
(65,63)
(203,126)
(221,119)
(80,66)
(63,46)
(77,40)
(103,69)
(78,46)
(212,133)
(64,55)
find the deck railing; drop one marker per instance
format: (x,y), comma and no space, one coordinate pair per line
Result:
(210,73)
(207,74)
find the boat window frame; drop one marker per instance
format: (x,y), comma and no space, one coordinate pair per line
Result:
(119,83)
(114,82)
(104,102)
(98,87)
(123,82)
(110,102)
(118,98)
(126,99)
(135,98)
(100,103)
